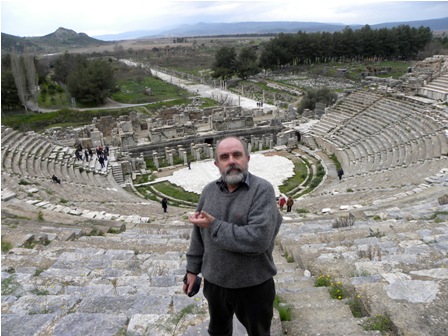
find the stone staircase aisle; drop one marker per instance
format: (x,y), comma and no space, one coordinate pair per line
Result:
(313,311)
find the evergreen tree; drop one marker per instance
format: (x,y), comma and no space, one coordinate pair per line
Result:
(224,66)
(91,82)
(313,96)
(10,95)
(246,64)
(19,78)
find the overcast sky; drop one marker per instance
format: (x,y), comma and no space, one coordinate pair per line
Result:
(98,17)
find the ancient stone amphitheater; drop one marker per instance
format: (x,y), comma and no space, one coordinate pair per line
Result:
(89,258)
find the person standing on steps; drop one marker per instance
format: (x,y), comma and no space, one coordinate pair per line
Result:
(235,225)
(165,204)
(289,204)
(282,202)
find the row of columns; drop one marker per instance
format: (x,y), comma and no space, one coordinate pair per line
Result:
(197,150)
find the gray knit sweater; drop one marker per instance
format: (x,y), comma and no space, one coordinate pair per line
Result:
(236,250)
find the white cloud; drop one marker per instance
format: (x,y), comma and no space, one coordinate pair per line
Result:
(95,17)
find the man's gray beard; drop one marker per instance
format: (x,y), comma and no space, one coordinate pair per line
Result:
(233,178)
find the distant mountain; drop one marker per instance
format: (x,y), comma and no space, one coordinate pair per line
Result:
(19,43)
(234,28)
(60,40)
(434,24)
(135,34)
(63,39)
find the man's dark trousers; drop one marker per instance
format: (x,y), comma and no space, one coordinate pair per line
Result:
(253,306)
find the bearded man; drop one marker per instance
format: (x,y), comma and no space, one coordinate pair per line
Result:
(235,225)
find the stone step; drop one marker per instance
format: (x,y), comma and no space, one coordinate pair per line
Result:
(330,328)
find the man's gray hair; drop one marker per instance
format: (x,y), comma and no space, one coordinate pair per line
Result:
(246,152)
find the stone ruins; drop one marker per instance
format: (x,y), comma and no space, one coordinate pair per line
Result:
(91,257)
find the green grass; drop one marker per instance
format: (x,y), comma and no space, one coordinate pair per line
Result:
(300,173)
(176,192)
(144,178)
(53,99)
(289,257)
(335,161)
(284,311)
(40,292)
(132,91)
(6,245)
(9,285)
(357,307)
(316,180)
(40,216)
(68,117)
(24,182)
(175,319)
(382,323)
(95,232)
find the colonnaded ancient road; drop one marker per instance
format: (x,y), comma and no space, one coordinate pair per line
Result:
(207,91)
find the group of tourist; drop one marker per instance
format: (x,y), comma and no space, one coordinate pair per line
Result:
(289,202)
(101,154)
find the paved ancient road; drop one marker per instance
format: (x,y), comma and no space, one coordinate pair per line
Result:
(212,93)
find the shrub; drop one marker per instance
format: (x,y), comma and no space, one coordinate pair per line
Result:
(289,257)
(382,323)
(357,307)
(39,292)
(40,216)
(344,221)
(9,286)
(24,182)
(323,281)
(443,199)
(6,245)
(283,310)
(337,291)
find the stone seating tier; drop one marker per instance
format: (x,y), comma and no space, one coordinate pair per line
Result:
(138,274)
(403,127)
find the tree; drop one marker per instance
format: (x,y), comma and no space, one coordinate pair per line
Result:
(92,82)
(346,45)
(19,78)
(31,75)
(225,63)
(246,63)
(67,64)
(313,96)
(10,95)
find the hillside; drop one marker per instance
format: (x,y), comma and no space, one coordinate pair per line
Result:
(60,40)
(275,27)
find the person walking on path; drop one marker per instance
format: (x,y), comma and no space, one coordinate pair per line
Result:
(101,161)
(289,204)
(235,225)
(165,204)
(340,173)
